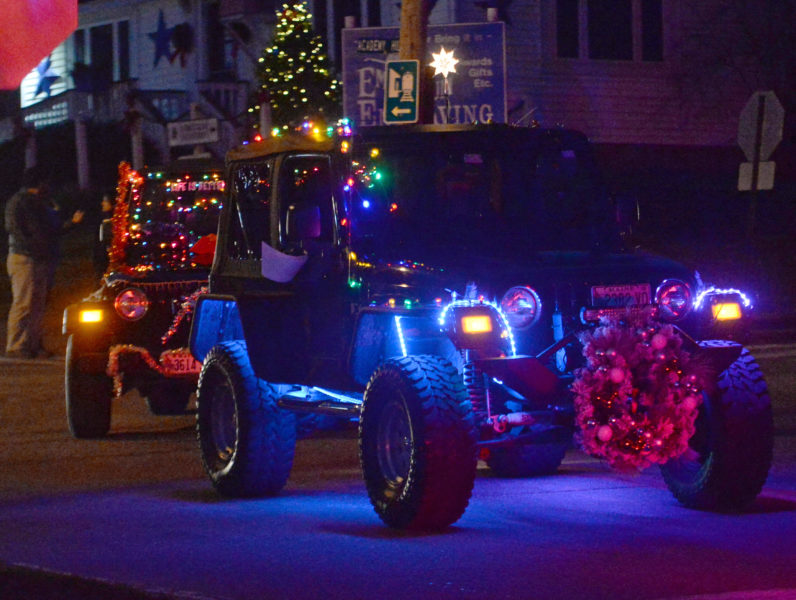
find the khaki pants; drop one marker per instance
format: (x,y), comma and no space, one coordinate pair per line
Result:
(29,289)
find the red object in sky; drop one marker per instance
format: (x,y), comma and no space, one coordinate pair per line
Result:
(29,31)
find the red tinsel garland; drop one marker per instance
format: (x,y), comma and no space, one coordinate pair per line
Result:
(128,178)
(638,396)
(186,308)
(113,370)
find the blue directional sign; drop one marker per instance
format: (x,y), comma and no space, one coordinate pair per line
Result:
(400,91)
(475,92)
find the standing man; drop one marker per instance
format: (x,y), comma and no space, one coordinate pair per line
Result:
(34,228)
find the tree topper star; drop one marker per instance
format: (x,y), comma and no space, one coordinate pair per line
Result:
(443,62)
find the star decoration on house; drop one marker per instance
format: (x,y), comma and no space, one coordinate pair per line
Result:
(443,62)
(162,38)
(46,77)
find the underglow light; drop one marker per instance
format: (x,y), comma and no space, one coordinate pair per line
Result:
(401,339)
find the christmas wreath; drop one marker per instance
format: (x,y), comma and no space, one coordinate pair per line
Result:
(638,396)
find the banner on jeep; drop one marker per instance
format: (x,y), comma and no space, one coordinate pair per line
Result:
(477,90)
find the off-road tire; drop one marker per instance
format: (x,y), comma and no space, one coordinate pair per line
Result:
(527,460)
(246,441)
(417,443)
(731,452)
(169,397)
(88,396)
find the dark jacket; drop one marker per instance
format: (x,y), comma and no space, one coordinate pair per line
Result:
(33,224)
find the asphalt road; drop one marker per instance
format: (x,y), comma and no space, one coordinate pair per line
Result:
(133,517)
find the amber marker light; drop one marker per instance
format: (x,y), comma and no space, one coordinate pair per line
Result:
(476,324)
(90,316)
(726,311)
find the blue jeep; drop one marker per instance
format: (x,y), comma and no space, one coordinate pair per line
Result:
(463,293)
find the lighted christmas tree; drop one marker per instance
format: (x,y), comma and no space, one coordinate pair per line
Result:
(294,71)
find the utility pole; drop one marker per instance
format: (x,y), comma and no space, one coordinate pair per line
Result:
(414,28)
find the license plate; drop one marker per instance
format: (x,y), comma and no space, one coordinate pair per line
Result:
(634,294)
(179,362)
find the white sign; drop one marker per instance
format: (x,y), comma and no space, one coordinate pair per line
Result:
(765,176)
(760,125)
(188,133)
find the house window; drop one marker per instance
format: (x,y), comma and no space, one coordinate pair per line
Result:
(123,55)
(624,30)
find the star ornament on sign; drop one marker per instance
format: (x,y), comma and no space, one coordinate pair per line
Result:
(443,62)
(46,77)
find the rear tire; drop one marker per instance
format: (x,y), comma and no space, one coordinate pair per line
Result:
(247,442)
(88,396)
(731,451)
(417,443)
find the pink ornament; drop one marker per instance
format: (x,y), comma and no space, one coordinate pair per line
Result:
(659,341)
(690,402)
(617,375)
(605,433)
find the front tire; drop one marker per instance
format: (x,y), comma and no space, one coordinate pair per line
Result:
(247,442)
(417,443)
(88,396)
(731,451)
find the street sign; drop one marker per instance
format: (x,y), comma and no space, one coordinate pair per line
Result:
(197,131)
(400,92)
(765,176)
(760,126)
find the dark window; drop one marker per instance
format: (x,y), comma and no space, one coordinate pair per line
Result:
(610,29)
(80,46)
(374,13)
(251,217)
(102,56)
(651,30)
(124,50)
(567,28)
(305,191)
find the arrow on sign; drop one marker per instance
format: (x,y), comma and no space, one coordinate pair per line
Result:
(400,111)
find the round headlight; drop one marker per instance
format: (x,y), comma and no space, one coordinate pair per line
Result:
(131,304)
(522,306)
(674,299)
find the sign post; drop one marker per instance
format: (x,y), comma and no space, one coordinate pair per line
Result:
(400,92)
(759,132)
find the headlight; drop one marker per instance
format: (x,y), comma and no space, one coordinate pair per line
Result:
(131,304)
(674,299)
(522,306)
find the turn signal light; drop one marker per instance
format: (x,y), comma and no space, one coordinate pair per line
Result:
(726,311)
(90,316)
(476,324)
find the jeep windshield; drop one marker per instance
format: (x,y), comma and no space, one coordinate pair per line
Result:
(489,188)
(167,216)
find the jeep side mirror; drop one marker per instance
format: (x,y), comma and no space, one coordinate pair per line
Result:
(303,223)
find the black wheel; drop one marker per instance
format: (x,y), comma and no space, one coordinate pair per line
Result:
(88,396)
(417,443)
(730,453)
(169,397)
(527,460)
(246,441)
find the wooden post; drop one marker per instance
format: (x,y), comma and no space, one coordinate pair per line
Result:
(414,30)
